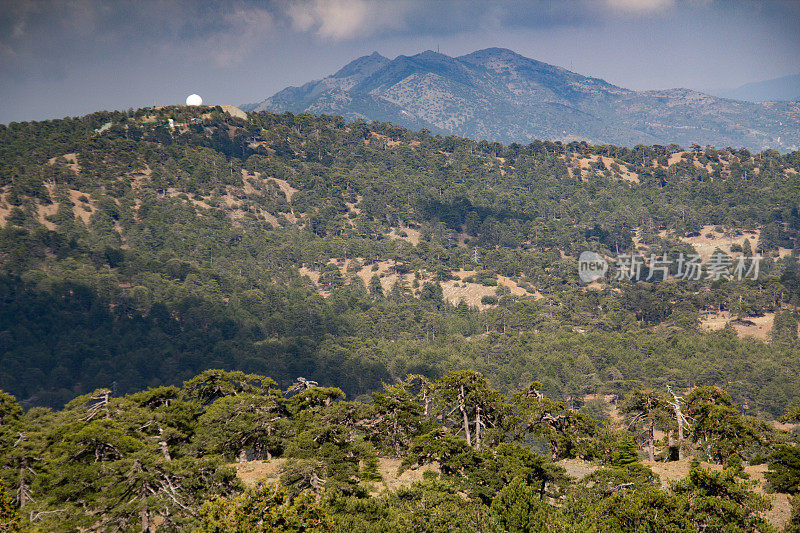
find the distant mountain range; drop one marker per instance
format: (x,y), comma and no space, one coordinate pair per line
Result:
(497,94)
(783,88)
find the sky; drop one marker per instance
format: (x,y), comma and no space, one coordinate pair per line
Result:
(71,57)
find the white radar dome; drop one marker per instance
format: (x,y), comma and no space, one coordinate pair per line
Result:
(194,99)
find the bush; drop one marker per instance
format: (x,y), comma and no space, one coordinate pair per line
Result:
(784,469)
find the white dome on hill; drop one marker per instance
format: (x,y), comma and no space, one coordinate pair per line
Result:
(194,99)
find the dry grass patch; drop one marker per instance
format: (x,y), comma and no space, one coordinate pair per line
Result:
(5,209)
(71,161)
(405,233)
(578,468)
(584,165)
(390,479)
(453,291)
(251,471)
(758,327)
(710,239)
(287,189)
(353,206)
(43,211)
(312,274)
(81,209)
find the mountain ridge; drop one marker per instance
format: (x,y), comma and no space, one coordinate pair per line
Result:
(784,88)
(501,95)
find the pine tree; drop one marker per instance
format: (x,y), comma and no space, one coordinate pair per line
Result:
(265,507)
(648,409)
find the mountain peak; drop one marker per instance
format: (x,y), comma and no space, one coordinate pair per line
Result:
(501,54)
(363,66)
(430,54)
(498,94)
(495,52)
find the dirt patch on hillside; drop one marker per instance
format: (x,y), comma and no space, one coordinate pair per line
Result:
(287,189)
(391,480)
(453,291)
(312,274)
(585,163)
(675,158)
(578,468)
(248,178)
(251,471)
(382,269)
(405,233)
(82,210)
(469,293)
(43,211)
(710,239)
(456,291)
(71,161)
(751,326)
(270,218)
(352,207)
(5,208)
(627,175)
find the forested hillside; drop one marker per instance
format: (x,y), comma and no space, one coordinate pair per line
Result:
(134,255)
(434,280)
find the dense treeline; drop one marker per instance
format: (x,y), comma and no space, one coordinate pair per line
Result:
(69,336)
(137,255)
(161,458)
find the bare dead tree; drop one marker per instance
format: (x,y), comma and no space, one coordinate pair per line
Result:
(24,496)
(162,443)
(425,390)
(462,406)
(36,515)
(533,391)
(101,398)
(302,384)
(680,419)
(478,424)
(316,482)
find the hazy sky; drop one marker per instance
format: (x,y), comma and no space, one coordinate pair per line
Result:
(71,57)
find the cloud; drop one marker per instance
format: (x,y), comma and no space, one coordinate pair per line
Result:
(241,32)
(340,20)
(639,7)
(14,17)
(346,19)
(48,34)
(6,50)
